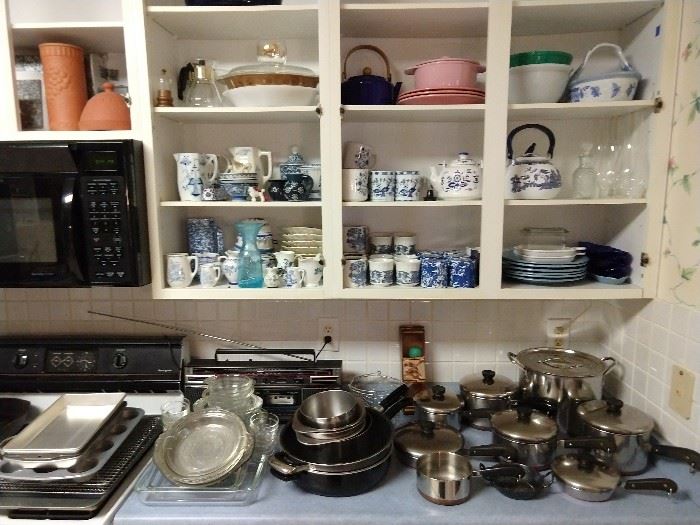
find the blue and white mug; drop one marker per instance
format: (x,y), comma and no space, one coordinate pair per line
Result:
(381,243)
(407,270)
(355,239)
(294,277)
(381,271)
(382,186)
(404,243)
(355,272)
(409,185)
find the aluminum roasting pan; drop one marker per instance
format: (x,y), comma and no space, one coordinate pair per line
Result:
(65,428)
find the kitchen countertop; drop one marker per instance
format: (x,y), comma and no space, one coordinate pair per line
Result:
(396,500)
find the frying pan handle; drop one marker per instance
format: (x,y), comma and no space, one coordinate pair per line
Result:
(282,467)
(398,406)
(603,443)
(504,451)
(661,484)
(398,393)
(691,457)
(612,364)
(501,471)
(478,413)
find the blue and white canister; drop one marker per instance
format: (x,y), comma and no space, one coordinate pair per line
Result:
(409,185)
(462,272)
(202,235)
(355,239)
(382,186)
(433,272)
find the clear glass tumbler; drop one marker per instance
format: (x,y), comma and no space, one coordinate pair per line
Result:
(174,410)
(264,426)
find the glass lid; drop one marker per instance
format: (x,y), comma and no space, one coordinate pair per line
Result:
(524,425)
(272,59)
(612,415)
(488,385)
(561,362)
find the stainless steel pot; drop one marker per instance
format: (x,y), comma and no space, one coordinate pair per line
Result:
(566,377)
(631,430)
(486,392)
(439,406)
(414,440)
(331,409)
(445,478)
(590,479)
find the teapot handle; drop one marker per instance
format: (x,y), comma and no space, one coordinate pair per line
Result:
(623,61)
(543,129)
(371,48)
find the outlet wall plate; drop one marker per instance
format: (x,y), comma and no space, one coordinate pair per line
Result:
(681,396)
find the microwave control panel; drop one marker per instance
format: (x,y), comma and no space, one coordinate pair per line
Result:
(105,215)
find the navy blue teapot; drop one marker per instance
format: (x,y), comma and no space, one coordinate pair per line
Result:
(368,89)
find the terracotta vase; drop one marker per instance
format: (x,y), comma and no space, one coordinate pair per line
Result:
(105,111)
(64,83)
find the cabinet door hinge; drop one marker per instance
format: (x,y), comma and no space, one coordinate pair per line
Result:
(319,110)
(342,112)
(658,104)
(644,260)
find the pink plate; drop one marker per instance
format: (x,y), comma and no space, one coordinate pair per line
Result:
(442,99)
(450,91)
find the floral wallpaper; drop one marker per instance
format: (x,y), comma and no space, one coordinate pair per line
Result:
(680,267)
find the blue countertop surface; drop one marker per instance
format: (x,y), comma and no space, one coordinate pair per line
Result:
(396,501)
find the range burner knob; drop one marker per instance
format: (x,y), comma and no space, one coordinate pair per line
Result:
(21,360)
(119,360)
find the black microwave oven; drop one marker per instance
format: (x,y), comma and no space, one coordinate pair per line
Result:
(73,214)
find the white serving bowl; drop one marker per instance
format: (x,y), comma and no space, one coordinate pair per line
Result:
(537,83)
(271,95)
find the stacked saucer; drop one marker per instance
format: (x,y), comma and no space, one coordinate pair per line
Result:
(236,184)
(543,270)
(302,240)
(434,96)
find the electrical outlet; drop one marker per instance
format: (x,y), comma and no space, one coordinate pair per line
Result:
(558,331)
(328,326)
(681,396)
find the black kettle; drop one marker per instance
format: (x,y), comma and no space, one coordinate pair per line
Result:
(367,88)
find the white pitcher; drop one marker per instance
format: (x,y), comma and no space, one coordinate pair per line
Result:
(313,269)
(247,159)
(181,269)
(195,171)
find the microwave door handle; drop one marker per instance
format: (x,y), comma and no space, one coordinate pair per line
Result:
(71,221)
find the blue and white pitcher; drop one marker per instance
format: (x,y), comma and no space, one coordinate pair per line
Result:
(195,171)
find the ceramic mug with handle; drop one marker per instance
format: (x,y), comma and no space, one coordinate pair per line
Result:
(314,270)
(195,171)
(294,277)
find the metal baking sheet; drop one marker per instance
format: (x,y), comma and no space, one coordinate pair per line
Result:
(65,428)
(81,467)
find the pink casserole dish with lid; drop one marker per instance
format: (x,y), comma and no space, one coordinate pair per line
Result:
(446,72)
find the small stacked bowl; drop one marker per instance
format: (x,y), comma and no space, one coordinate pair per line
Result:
(538,76)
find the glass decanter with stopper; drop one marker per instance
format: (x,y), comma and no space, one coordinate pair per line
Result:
(585,176)
(250,272)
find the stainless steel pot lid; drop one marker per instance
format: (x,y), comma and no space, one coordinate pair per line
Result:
(488,386)
(524,425)
(586,473)
(437,400)
(613,416)
(561,362)
(418,439)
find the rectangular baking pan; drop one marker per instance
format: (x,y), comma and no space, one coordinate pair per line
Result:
(65,428)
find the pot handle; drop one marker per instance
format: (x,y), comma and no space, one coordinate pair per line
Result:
(514,359)
(504,451)
(395,395)
(504,470)
(283,468)
(691,457)
(662,484)
(543,129)
(623,60)
(605,443)
(371,48)
(612,364)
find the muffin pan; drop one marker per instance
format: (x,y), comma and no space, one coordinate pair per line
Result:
(80,467)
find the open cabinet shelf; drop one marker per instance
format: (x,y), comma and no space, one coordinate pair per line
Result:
(97,37)
(576,291)
(233,115)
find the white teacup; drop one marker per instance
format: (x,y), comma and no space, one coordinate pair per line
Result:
(181,269)
(209,274)
(381,243)
(355,185)
(285,259)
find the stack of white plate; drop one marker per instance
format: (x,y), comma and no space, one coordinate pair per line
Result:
(548,255)
(302,240)
(544,270)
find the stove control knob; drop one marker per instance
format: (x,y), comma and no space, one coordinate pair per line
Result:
(119,360)
(21,360)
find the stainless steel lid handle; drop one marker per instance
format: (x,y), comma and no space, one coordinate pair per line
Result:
(611,365)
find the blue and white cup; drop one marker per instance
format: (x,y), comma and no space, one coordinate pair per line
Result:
(285,258)
(407,270)
(381,271)
(404,243)
(355,185)
(294,277)
(229,266)
(382,186)
(381,243)
(433,272)
(355,272)
(462,272)
(355,239)
(409,185)
(268,260)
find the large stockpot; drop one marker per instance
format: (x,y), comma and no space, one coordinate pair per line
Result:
(590,479)
(631,430)
(346,467)
(439,406)
(486,392)
(563,376)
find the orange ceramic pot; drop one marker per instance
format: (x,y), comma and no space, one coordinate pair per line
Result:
(106,111)
(64,83)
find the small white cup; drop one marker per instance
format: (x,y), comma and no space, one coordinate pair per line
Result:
(407,270)
(381,271)
(294,277)
(209,274)
(404,243)
(381,243)
(272,277)
(355,185)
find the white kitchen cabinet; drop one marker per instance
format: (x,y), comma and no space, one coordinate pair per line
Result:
(167,34)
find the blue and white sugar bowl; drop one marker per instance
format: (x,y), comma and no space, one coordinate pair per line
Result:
(531,176)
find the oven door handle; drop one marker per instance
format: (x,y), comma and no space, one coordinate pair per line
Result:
(73,229)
